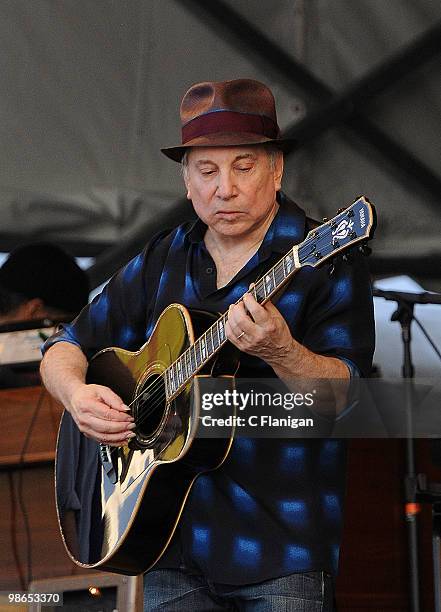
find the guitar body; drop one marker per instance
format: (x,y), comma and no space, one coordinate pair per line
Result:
(132,497)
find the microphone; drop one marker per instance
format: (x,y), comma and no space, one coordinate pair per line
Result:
(425,297)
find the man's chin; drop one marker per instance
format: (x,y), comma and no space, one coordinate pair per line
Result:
(231,227)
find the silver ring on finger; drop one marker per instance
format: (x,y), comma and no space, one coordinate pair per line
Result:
(240,335)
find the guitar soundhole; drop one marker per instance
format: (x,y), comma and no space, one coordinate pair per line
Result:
(150,407)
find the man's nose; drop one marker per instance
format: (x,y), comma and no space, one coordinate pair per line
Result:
(226,188)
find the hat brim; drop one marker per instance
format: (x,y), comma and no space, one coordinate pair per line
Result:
(227,140)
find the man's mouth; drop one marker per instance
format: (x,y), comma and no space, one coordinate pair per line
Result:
(228,213)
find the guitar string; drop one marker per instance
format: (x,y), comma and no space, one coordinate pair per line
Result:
(156,389)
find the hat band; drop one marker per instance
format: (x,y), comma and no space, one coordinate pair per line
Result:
(229,121)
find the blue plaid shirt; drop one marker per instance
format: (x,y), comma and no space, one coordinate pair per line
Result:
(275,506)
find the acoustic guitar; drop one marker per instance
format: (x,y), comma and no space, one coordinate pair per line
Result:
(129,499)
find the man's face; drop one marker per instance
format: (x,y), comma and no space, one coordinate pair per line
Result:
(233,189)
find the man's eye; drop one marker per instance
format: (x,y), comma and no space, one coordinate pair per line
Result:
(207,172)
(244,168)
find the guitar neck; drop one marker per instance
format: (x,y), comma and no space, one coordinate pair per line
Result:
(352,225)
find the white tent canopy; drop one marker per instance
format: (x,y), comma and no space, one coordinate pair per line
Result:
(91,90)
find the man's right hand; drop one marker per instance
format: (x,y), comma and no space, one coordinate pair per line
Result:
(101,414)
(98,412)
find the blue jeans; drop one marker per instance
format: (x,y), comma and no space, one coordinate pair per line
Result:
(172,590)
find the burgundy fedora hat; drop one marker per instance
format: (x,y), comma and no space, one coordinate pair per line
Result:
(227,113)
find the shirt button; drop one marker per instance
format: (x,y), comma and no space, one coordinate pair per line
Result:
(209,270)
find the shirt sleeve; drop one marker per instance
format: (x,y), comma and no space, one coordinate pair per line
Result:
(354,372)
(118,316)
(340,315)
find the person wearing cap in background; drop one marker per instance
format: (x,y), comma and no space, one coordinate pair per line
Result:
(40,281)
(262,532)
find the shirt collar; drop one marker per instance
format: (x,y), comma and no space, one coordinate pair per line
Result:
(286,229)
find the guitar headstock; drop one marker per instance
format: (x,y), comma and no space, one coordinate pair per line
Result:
(355,224)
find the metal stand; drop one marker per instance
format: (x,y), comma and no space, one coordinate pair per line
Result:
(417,490)
(404,315)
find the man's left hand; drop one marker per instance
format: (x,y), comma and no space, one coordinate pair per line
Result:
(259,330)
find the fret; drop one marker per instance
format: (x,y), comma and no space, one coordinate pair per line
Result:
(183,366)
(274,276)
(188,363)
(179,370)
(259,292)
(282,270)
(172,386)
(277,280)
(183,369)
(221,329)
(210,344)
(216,338)
(279,272)
(289,262)
(197,354)
(203,347)
(192,358)
(173,379)
(268,285)
(167,383)
(176,376)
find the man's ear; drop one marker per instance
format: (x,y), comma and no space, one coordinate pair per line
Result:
(187,186)
(278,171)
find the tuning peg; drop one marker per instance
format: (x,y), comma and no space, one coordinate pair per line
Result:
(347,258)
(340,210)
(325,219)
(331,270)
(365,249)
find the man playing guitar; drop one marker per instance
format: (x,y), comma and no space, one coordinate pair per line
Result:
(262,531)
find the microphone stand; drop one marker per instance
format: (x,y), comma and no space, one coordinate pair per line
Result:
(415,486)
